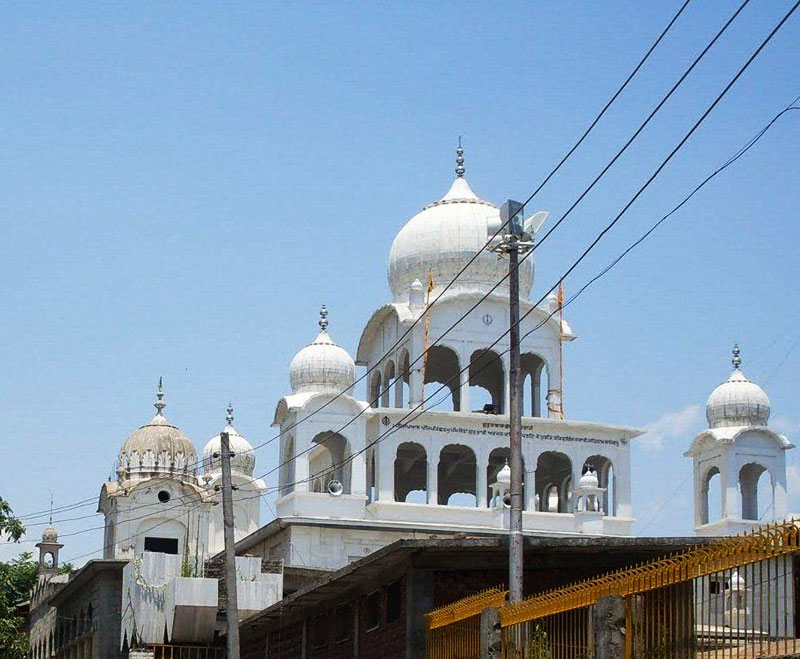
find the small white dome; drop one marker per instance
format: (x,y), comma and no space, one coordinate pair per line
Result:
(441,239)
(50,534)
(243,460)
(589,479)
(504,475)
(737,582)
(737,401)
(322,366)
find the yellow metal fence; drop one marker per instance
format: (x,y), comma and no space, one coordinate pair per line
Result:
(734,598)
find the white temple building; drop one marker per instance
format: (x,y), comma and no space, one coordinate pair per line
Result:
(742,453)
(419,447)
(358,473)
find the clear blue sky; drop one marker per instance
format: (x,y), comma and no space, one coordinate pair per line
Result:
(184,184)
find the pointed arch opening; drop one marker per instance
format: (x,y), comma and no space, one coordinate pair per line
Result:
(755,486)
(402,397)
(457,476)
(498,459)
(441,368)
(554,482)
(486,382)
(604,469)
(411,473)
(287,471)
(533,375)
(389,376)
(375,388)
(329,460)
(711,497)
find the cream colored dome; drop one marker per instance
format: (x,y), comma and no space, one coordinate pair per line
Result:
(737,401)
(157,449)
(50,535)
(322,366)
(243,460)
(441,239)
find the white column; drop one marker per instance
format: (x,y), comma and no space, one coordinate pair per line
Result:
(433,474)
(415,377)
(483,462)
(622,481)
(300,462)
(358,468)
(384,454)
(465,405)
(731,501)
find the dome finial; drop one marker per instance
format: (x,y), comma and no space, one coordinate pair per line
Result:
(229,416)
(736,361)
(323,318)
(160,404)
(460,169)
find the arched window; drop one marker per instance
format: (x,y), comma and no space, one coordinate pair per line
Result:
(375,389)
(486,381)
(457,476)
(329,460)
(554,470)
(533,375)
(755,485)
(711,500)
(411,473)
(498,458)
(287,471)
(402,397)
(388,379)
(605,477)
(441,368)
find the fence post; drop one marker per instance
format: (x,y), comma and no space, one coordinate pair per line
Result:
(608,622)
(491,634)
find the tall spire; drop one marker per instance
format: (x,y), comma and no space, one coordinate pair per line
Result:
(229,416)
(736,361)
(160,404)
(460,169)
(323,318)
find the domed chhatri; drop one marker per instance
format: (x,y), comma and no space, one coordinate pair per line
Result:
(49,534)
(322,366)
(504,475)
(243,460)
(737,401)
(589,478)
(440,241)
(157,448)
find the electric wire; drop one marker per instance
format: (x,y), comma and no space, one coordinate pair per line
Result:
(744,149)
(642,188)
(397,343)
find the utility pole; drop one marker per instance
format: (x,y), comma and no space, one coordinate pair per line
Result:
(517,236)
(230,553)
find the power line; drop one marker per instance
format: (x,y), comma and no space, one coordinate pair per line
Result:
(599,237)
(547,178)
(748,145)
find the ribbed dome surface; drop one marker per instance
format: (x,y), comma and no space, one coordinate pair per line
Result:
(49,535)
(157,449)
(322,366)
(737,402)
(243,460)
(440,241)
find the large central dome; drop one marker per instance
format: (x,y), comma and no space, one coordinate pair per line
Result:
(441,239)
